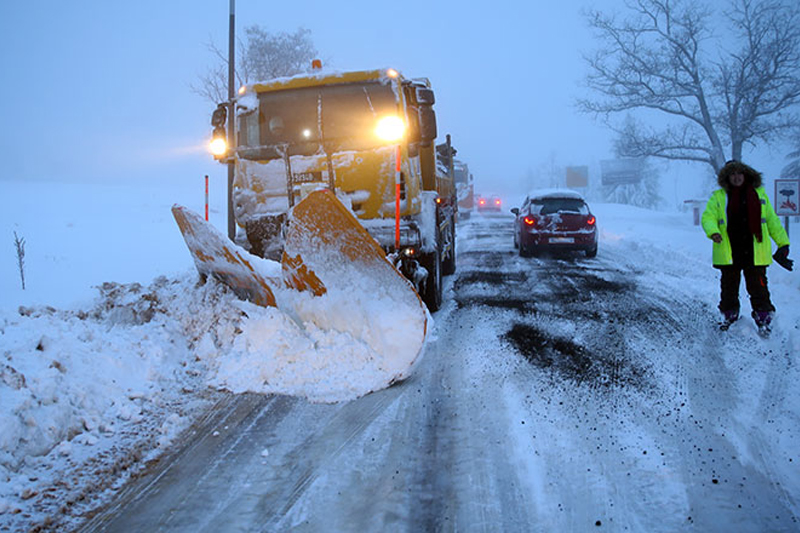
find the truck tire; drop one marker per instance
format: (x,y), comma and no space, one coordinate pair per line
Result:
(432,292)
(449,264)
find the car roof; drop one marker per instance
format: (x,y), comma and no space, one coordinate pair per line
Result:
(541,194)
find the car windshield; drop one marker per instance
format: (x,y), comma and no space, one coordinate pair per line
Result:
(548,206)
(345,115)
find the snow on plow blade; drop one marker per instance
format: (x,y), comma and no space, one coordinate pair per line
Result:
(217,256)
(337,285)
(327,250)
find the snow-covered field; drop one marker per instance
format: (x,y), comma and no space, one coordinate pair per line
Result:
(113,348)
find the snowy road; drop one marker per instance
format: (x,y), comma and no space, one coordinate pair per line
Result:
(556,394)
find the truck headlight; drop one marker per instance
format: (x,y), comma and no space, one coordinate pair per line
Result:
(218,146)
(390,129)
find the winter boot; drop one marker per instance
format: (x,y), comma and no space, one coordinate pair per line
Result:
(763,321)
(728,318)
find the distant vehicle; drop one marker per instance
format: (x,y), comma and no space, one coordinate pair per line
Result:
(554,219)
(489,203)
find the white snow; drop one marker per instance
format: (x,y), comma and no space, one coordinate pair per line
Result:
(555,193)
(114,338)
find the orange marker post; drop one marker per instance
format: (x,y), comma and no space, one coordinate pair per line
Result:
(397,199)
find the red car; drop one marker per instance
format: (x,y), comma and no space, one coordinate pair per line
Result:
(554,219)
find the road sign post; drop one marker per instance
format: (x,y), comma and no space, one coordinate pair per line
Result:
(622,171)
(577,177)
(787,200)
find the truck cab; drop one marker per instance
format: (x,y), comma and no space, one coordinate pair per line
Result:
(368,136)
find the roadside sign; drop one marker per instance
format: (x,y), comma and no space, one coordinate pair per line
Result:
(577,177)
(621,171)
(787,198)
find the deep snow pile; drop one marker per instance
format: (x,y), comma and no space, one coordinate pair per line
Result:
(90,395)
(69,374)
(72,380)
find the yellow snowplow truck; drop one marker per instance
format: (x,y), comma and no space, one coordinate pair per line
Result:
(367,137)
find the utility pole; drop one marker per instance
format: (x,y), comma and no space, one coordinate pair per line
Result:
(231,117)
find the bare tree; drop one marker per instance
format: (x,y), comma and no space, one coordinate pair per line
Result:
(712,90)
(792,170)
(19,243)
(261,56)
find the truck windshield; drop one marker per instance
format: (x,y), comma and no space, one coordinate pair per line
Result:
(341,116)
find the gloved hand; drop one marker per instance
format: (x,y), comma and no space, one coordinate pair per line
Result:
(781,257)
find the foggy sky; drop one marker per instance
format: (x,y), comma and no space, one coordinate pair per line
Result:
(100,90)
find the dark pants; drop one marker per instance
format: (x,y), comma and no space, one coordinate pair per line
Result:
(755,279)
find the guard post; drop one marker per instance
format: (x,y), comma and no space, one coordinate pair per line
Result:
(695,205)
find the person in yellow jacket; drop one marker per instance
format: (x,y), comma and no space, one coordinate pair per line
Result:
(739,218)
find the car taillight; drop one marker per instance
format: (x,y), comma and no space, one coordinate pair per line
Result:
(529,221)
(497,202)
(591,220)
(482,201)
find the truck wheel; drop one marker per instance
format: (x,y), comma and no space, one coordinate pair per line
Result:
(432,292)
(449,264)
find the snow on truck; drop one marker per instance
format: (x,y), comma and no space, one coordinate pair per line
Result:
(334,173)
(465,189)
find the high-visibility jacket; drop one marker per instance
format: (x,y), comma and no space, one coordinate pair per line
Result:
(715,220)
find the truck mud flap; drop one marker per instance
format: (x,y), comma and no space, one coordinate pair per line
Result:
(327,251)
(217,256)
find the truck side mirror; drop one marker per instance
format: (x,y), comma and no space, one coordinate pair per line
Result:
(425,96)
(219,116)
(427,125)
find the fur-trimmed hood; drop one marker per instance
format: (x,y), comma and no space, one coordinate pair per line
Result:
(751,175)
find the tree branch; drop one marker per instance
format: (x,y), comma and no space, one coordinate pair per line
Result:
(656,61)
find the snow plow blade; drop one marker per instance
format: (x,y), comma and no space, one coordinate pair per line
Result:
(340,278)
(217,256)
(328,251)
